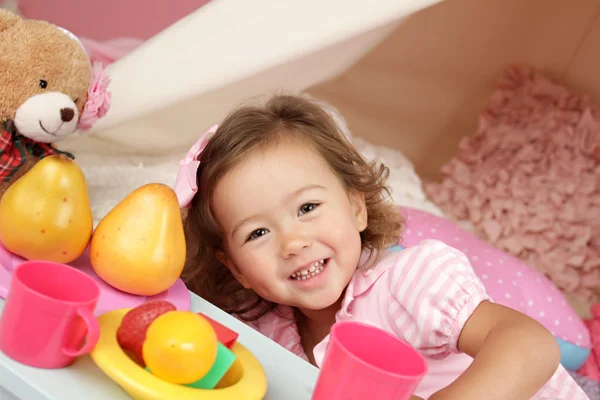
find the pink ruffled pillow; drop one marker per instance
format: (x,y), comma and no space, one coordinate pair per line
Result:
(528,180)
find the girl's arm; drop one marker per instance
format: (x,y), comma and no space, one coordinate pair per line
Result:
(514,356)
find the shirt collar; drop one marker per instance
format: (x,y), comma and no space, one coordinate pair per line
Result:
(361,282)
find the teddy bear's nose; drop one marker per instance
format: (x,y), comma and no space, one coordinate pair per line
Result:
(67,114)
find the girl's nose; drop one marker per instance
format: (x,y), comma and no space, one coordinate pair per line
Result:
(294,242)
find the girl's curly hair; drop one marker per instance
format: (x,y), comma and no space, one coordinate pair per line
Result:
(253,128)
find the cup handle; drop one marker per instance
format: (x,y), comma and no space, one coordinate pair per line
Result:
(93,333)
(5,279)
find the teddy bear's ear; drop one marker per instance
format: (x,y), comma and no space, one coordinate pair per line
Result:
(7,19)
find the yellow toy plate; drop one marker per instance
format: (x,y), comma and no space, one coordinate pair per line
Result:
(245,380)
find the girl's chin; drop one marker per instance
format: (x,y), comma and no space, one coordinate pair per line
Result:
(323,302)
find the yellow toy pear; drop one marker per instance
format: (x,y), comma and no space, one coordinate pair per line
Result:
(46,214)
(139,246)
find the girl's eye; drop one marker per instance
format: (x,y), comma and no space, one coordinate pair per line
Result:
(308,207)
(257,233)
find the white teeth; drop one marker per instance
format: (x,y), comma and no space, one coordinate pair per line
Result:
(314,269)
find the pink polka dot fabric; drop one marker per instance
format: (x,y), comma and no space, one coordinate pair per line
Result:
(508,280)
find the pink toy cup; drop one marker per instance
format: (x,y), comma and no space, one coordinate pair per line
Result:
(365,362)
(49,314)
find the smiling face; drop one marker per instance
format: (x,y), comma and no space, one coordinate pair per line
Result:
(291,230)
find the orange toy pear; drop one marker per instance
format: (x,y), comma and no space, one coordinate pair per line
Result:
(139,246)
(46,214)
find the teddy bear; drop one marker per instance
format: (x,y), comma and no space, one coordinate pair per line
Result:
(48,91)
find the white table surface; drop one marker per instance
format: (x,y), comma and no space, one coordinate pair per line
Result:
(288,376)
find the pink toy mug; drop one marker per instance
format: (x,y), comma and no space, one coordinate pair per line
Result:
(364,362)
(49,314)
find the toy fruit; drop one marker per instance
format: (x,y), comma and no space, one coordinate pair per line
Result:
(139,246)
(245,379)
(224,361)
(132,331)
(46,214)
(180,347)
(225,336)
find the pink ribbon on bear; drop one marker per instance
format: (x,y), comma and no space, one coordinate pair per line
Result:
(186,185)
(99,98)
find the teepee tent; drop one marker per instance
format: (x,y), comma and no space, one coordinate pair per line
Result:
(410,75)
(188,76)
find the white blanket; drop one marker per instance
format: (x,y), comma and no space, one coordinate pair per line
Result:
(111,178)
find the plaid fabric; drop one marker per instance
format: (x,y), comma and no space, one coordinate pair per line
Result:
(14,149)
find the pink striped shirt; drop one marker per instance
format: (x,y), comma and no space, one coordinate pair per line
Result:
(424,294)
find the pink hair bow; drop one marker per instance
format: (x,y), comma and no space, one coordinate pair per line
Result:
(185,183)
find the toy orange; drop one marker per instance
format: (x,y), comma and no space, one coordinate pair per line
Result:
(180,347)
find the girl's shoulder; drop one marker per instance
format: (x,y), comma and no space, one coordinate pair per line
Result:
(429,254)
(432,269)
(431,263)
(430,290)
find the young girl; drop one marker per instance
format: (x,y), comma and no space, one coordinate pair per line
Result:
(289,229)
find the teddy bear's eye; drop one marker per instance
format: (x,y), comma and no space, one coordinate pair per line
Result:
(43,84)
